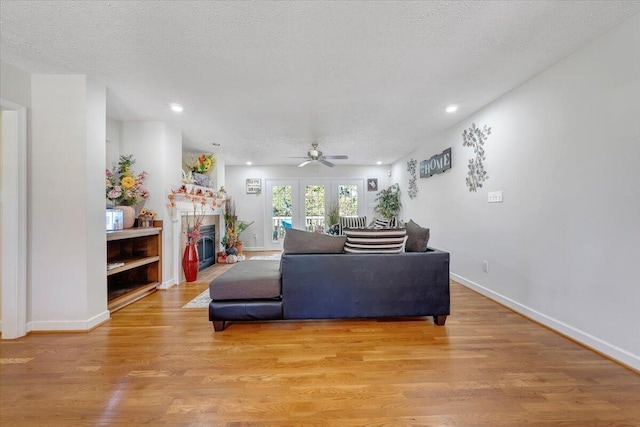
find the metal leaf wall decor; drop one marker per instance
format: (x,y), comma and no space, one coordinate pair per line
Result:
(413,187)
(475,137)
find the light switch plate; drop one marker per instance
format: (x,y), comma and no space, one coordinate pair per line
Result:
(495,197)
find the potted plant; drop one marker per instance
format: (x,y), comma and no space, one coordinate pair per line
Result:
(233,228)
(389,202)
(333,219)
(240,227)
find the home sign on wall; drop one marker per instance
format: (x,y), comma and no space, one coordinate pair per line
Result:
(436,164)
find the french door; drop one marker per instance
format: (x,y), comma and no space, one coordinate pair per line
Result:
(282,210)
(304,203)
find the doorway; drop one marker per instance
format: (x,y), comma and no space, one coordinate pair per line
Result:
(303,204)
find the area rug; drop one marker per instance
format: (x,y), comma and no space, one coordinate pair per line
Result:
(259,257)
(203,300)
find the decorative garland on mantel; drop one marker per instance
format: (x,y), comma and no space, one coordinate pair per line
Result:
(475,137)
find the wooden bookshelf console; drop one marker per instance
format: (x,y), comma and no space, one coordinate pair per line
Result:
(138,253)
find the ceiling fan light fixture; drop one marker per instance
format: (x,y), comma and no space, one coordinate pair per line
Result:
(315,156)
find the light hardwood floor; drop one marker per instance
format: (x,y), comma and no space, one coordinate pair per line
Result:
(157,363)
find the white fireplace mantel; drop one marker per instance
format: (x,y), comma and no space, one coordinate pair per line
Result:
(183,207)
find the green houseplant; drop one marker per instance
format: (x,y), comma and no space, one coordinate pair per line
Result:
(233,228)
(332,219)
(389,204)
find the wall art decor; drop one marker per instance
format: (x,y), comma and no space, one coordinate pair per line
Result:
(413,187)
(372,184)
(436,164)
(475,137)
(254,185)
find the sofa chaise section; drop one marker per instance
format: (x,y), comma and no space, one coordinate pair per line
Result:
(250,290)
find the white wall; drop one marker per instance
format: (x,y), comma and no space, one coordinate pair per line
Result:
(251,207)
(15,84)
(564,246)
(66,261)
(113,138)
(95,201)
(157,149)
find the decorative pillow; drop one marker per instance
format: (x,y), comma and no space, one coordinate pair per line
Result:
(375,240)
(306,242)
(384,223)
(352,222)
(417,237)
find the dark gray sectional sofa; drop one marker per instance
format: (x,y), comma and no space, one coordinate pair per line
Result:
(329,286)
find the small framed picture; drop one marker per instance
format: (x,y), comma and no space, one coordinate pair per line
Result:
(254,185)
(372,184)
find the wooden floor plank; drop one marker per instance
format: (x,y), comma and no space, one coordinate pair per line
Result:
(156,363)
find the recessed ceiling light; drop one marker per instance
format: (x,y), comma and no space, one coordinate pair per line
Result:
(178,108)
(249,163)
(378,162)
(452,108)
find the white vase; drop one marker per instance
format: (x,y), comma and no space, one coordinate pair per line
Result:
(128,216)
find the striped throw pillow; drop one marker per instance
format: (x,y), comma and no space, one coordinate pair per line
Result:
(352,222)
(375,240)
(384,223)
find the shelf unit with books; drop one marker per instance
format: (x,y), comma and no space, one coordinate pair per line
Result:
(134,264)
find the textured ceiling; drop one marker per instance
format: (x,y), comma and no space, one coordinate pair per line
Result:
(266,79)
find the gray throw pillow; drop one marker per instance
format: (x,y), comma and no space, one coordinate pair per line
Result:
(305,242)
(417,237)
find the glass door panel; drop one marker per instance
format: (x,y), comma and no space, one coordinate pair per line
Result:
(348,199)
(315,207)
(280,212)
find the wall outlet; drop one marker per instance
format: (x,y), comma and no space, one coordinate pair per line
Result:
(485,266)
(495,197)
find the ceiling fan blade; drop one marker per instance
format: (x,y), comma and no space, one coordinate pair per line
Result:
(324,162)
(336,157)
(296,157)
(305,163)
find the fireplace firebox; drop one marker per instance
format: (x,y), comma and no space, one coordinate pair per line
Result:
(207,246)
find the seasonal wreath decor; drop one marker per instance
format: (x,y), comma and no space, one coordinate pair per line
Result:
(124,188)
(475,137)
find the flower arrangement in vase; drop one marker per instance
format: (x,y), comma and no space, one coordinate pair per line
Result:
(124,188)
(198,169)
(146,217)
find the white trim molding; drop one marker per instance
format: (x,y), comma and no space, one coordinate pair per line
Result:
(614,352)
(13,198)
(70,325)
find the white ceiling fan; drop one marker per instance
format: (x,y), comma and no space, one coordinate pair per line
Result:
(315,156)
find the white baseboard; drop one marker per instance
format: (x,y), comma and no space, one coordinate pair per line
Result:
(253,248)
(69,325)
(166,285)
(614,352)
